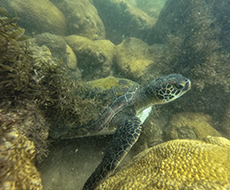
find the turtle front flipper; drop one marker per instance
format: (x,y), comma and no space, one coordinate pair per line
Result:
(123,140)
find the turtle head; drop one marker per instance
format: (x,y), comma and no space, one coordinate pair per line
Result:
(169,88)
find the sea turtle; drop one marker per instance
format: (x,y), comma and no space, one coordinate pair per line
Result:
(128,106)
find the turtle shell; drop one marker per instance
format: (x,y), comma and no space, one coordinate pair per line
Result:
(107,93)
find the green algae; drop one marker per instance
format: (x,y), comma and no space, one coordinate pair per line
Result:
(31,81)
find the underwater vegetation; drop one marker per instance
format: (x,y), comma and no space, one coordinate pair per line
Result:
(190,37)
(192,42)
(31,82)
(195,48)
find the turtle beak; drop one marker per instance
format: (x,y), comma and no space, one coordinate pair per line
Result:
(187,86)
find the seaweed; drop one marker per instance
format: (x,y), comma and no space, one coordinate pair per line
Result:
(30,76)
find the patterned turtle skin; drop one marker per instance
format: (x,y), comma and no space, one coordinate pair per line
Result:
(124,116)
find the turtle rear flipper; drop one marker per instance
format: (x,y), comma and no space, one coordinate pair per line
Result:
(123,140)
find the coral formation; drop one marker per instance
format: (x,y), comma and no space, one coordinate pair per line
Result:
(71,58)
(35,81)
(190,126)
(58,48)
(152,8)
(82,18)
(177,164)
(123,20)
(19,86)
(55,43)
(40,16)
(95,58)
(225,122)
(192,41)
(200,53)
(133,57)
(17,154)
(31,81)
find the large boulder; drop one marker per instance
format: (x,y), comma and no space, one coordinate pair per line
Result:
(186,18)
(95,58)
(190,126)
(82,18)
(194,34)
(133,58)
(36,16)
(121,19)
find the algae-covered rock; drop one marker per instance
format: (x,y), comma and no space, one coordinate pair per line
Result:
(177,164)
(200,28)
(152,8)
(225,122)
(186,18)
(82,19)
(58,48)
(190,126)
(32,123)
(95,58)
(121,19)
(36,16)
(17,170)
(133,57)
(71,58)
(55,43)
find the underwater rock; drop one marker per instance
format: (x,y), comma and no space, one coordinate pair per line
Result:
(17,170)
(71,58)
(192,34)
(184,18)
(82,18)
(95,58)
(133,57)
(40,55)
(55,43)
(32,123)
(177,164)
(152,8)
(222,15)
(36,16)
(190,126)
(58,48)
(122,20)
(225,123)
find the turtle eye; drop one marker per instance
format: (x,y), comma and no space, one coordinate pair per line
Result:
(179,86)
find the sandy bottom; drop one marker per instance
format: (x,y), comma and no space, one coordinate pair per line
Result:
(71,162)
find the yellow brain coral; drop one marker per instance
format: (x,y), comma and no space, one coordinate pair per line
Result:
(17,153)
(177,164)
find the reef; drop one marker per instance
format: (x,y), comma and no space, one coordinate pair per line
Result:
(177,164)
(47,78)
(40,16)
(190,126)
(17,155)
(31,81)
(95,58)
(122,20)
(196,45)
(82,18)
(133,57)
(191,35)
